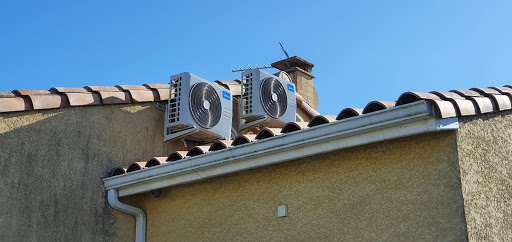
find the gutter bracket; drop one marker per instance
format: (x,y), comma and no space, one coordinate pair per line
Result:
(161,107)
(447,124)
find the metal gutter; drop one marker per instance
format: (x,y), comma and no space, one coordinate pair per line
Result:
(405,120)
(140,216)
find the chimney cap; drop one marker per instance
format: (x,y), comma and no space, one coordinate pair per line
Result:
(291,62)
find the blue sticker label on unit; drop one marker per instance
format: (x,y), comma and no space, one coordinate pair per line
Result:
(226,95)
(291,88)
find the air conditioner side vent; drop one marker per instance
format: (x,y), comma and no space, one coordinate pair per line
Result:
(174,100)
(247,89)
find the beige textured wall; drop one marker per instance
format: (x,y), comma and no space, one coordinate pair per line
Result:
(405,189)
(485,154)
(52,163)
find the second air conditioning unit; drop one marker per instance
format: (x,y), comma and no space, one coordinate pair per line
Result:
(197,110)
(267,99)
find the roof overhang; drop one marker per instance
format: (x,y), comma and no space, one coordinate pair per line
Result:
(401,121)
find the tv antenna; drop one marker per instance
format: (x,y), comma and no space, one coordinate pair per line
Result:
(250,68)
(282,48)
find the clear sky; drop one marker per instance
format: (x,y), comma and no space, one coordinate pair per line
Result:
(362,50)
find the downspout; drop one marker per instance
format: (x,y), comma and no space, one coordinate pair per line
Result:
(140,217)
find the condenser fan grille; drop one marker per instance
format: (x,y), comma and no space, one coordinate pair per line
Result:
(205,105)
(273,97)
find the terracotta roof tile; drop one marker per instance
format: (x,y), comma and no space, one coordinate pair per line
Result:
(63,97)
(131,87)
(115,97)
(156,161)
(146,95)
(118,171)
(102,89)
(443,109)
(136,166)
(198,150)
(410,97)
(243,139)
(502,102)
(220,145)
(321,119)
(485,91)
(502,89)
(83,99)
(163,94)
(349,113)
(467,93)
(15,104)
(483,104)
(7,95)
(267,133)
(157,86)
(68,90)
(374,106)
(294,126)
(48,101)
(464,107)
(447,95)
(31,92)
(177,155)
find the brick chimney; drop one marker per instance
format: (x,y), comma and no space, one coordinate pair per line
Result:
(300,73)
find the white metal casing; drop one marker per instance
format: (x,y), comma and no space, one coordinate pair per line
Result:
(178,117)
(251,106)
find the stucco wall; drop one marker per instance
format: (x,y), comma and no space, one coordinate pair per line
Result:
(405,189)
(485,154)
(52,163)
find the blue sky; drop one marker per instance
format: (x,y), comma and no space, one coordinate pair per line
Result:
(362,50)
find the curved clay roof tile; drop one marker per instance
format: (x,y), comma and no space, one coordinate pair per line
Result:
(68,90)
(464,107)
(26,92)
(410,97)
(157,86)
(375,106)
(118,171)
(101,89)
(443,109)
(349,113)
(220,145)
(502,90)
(198,150)
(321,119)
(485,91)
(243,139)
(83,99)
(136,166)
(131,87)
(294,126)
(447,95)
(467,93)
(156,161)
(14,104)
(177,155)
(268,132)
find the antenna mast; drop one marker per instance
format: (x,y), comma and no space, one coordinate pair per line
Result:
(282,48)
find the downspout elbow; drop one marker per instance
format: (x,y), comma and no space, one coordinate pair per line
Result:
(140,216)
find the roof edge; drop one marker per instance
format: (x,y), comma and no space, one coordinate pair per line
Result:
(373,127)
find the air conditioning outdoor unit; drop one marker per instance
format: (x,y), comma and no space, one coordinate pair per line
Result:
(267,99)
(197,110)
